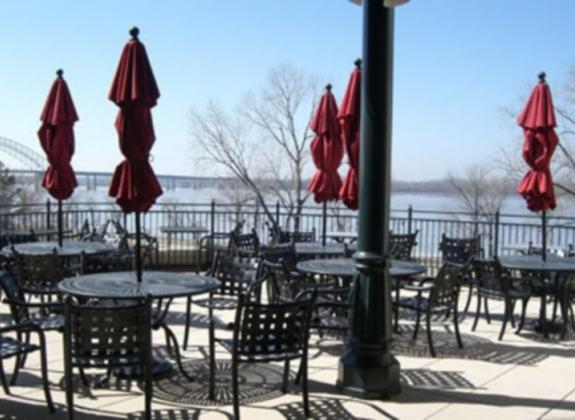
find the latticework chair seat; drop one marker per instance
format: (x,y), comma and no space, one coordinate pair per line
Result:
(51,322)
(89,361)
(10,347)
(420,303)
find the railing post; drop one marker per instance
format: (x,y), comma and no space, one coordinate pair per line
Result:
(212,218)
(409,219)
(48,213)
(496,235)
(277,214)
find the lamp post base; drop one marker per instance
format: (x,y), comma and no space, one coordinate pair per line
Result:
(368,373)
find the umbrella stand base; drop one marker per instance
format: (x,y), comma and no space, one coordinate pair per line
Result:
(368,375)
(160,369)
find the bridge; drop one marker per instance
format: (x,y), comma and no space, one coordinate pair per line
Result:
(35,165)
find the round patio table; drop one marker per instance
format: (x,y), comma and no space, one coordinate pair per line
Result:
(345,267)
(68,248)
(551,266)
(318,250)
(124,285)
(161,285)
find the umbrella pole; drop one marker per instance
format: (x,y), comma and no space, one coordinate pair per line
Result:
(60,227)
(324,223)
(138,249)
(544,235)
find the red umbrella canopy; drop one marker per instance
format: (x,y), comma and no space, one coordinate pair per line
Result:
(349,116)
(538,122)
(326,150)
(134,90)
(57,139)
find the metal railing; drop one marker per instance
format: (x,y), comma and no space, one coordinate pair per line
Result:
(180,250)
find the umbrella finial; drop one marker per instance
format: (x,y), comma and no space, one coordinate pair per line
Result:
(328,87)
(59,73)
(134,32)
(542,76)
(357,63)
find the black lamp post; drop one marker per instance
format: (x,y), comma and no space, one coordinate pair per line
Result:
(368,369)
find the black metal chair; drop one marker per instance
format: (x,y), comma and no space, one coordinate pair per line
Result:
(280,236)
(461,251)
(401,245)
(103,263)
(15,347)
(38,274)
(268,332)
(401,248)
(244,244)
(108,337)
(494,283)
(442,297)
(235,275)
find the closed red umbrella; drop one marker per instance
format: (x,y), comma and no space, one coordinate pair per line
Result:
(57,139)
(538,123)
(326,150)
(134,90)
(349,116)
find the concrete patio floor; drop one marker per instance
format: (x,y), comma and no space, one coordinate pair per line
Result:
(521,377)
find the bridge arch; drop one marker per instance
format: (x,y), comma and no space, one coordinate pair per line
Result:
(28,157)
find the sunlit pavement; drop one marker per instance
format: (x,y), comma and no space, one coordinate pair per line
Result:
(521,377)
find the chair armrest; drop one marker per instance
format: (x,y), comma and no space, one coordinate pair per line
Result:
(35,304)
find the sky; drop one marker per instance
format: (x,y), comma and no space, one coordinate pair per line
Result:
(457,64)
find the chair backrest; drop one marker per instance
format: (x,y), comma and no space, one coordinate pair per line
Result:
(490,275)
(459,250)
(285,236)
(279,252)
(106,336)
(278,279)
(273,329)
(235,274)
(37,273)
(104,263)
(245,244)
(16,238)
(401,245)
(445,292)
(148,246)
(14,297)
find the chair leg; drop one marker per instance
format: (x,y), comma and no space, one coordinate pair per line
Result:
(69,389)
(469,296)
(456,327)
(170,336)
(44,369)
(396,307)
(298,375)
(477,312)
(235,388)
(285,376)
(83,378)
(429,335)
(212,356)
(487,314)
(416,328)
(564,315)
(512,317)
(3,379)
(304,385)
(523,311)
(188,322)
(506,315)
(17,366)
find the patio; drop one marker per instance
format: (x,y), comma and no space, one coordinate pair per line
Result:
(521,377)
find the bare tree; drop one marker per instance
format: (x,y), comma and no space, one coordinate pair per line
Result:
(265,142)
(479,192)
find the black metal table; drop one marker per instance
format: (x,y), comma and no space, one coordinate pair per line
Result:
(161,285)
(345,267)
(553,265)
(68,248)
(306,250)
